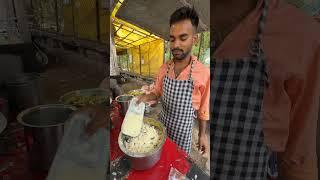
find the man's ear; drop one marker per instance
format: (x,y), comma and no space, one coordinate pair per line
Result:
(195,39)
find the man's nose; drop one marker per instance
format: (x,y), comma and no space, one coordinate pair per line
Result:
(176,44)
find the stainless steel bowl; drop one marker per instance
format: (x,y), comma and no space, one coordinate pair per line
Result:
(136,92)
(124,101)
(146,160)
(86,92)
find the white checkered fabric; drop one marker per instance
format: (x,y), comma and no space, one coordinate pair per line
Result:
(177,111)
(237,147)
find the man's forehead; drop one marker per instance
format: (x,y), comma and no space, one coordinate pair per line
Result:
(182,27)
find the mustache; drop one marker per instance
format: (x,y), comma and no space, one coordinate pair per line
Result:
(176,49)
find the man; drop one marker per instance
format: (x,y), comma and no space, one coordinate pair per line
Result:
(183,84)
(290,43)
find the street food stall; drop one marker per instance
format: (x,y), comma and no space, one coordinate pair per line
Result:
(142,29)
(70,39)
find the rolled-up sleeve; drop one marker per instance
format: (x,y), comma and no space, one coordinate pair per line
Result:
(159,81)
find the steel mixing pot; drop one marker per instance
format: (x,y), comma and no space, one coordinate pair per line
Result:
(44,127)
(96,95)
(145,161)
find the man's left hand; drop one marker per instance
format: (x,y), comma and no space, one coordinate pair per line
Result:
(203,145)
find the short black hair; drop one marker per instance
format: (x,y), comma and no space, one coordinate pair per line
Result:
(184,13)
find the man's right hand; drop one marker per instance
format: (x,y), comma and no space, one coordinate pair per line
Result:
(142,98)
(146,98)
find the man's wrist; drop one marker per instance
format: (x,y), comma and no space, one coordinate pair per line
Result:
(202,128)
(202,134)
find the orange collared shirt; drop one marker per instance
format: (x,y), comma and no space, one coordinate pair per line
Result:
(201,80)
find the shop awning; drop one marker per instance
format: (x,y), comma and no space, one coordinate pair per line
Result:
(129,35)
(154,16)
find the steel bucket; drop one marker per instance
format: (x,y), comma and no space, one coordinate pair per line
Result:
(124,101)
(44,127)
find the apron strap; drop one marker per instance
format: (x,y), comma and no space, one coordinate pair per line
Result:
(168,68)
(190,75)
(255,48)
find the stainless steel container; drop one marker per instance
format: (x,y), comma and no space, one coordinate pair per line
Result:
(44,127)
(124,101)
(3,122)
(3,140)
(146,160)
(24,90)
(4,107)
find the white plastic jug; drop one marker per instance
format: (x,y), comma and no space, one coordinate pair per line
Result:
(133,120)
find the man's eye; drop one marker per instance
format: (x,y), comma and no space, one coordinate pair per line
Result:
(183,38)
(171,40)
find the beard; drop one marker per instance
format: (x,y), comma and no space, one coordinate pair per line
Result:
(179,54)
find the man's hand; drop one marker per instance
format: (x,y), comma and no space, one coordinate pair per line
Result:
(146,98)
(203,145)
(100,118)
(142,98)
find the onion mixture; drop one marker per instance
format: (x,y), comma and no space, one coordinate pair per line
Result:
(147,141)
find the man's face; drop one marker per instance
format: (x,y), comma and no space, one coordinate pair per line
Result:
(182,38)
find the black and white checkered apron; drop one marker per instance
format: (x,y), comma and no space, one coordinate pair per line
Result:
(177,111)
(237,142)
